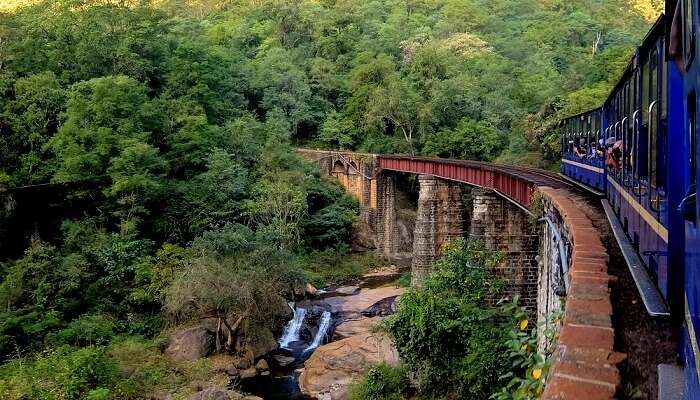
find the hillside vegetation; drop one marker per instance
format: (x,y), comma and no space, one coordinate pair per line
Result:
(167,130)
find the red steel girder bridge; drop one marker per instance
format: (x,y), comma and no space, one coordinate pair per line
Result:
(518,184)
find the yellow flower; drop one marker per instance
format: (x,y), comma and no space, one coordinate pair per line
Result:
(523,347)
(537,373)
(523,324)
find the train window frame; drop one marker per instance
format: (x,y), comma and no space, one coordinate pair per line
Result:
(689,35)
(654,117)
(692,136)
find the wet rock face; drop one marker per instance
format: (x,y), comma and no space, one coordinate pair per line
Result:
(190,344)
(331,370)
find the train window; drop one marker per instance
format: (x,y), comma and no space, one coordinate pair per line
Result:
(688,32)
(647,83)
(628,134)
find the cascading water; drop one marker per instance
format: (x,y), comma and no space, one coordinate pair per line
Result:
(322,331)
(291,331)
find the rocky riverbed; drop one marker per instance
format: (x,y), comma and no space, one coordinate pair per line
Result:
(328,343)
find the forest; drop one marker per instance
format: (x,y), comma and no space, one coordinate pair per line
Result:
(169,127)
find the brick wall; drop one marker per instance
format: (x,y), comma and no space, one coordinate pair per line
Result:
(438,220)
(504,227)
(584,364)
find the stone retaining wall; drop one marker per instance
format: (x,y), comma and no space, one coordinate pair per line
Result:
(584,364)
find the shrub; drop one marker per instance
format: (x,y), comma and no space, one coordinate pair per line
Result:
(448,332)
(65,374)
(529,364)
(87,330)
(381,382)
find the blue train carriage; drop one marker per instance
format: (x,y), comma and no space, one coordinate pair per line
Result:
(684,87)
(583,158)
(636,131)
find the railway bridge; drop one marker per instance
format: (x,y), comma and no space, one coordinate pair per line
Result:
(555,257)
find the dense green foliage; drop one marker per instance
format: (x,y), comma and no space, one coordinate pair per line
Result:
(179,118)
(448,331)
(382,382)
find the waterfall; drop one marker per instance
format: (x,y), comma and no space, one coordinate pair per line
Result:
(291,331)
(322,330)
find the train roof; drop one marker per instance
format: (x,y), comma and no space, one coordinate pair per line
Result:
(581,114)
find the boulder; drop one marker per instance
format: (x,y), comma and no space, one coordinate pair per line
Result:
(248,373)
(355,327)
(363,300)
(332,368)
(243,363)
(347,290)
(311,290)
(363,237)
(382,276)
(190,344)
(211,393)
(381,308)
(262,343)
(282,360)
(262,365)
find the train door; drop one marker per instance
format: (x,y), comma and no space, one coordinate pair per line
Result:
(653,166)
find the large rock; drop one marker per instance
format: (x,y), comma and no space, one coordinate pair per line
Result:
(382,276)
(365,299)
(332,368)
(347,290)
(190,344)
(260,344)
(310,290)
(355,327)
(283,360)
(262,365)
(364,238)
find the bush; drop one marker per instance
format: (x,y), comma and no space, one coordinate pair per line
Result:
(87,330)
(448,331)
(529,364)
(65,374)
(381,382)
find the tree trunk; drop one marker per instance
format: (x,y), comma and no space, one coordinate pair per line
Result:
(218,336)
(231,331)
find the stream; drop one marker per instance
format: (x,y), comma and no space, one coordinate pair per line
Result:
(312,325)
(282,383)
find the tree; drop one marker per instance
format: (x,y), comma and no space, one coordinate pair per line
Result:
(103,116)
(33,116)
(396,107)
(283,86)
(469,140)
